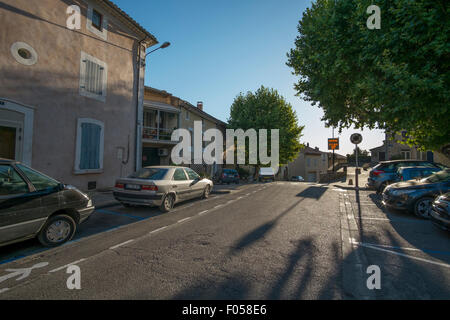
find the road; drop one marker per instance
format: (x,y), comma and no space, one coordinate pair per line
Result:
(278,240)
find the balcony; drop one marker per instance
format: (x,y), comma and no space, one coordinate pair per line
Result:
(159,125)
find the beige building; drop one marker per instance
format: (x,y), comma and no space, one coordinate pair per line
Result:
(71,98)
(393,149)
(163,113)
(309,164)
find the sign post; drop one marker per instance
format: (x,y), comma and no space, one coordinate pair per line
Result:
(333,144)
(356,139)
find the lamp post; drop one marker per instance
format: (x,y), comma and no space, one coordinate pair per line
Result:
(163,46)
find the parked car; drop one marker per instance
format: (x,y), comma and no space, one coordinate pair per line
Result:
(35,205)
(440,212)
(266,174)
(297,178)
(411,173)
(228,176)
(384,173)
(162,186)
(417,195)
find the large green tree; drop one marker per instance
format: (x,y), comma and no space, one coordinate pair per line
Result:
(395,78)
(266,109)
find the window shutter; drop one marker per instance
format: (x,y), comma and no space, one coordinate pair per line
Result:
(94,77)
(90,146)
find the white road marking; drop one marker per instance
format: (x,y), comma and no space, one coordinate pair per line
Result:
(3,290)
(22,272)
(203,212)
(159,229)
(67,265)
(185,219)
(239,198)
(375,247)
(121,244)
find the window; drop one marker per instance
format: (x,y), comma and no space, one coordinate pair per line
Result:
(97,22)
(93,77)
(192,174)
(406,155)
(188,115)
(40,181)
(149,173)
(97,19)
(179,175)
(24,53)
(315,162)
(11,182)
(308,162)
(90,143)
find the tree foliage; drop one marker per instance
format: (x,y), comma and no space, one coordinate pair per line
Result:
(394,78)
(266,109)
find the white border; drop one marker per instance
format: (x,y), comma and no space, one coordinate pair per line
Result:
(101,34)
(27,134)
(77,169)
(16,46)
(83,91)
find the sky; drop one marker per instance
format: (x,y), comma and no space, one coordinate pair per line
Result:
(221,48)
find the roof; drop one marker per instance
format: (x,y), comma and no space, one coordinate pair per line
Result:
(194,109)
(133,22)
(311,151)
(161,106)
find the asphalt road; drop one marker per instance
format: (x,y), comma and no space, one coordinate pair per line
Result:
(278,240)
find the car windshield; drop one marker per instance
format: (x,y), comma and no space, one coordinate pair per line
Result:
(149,173)
(440,176)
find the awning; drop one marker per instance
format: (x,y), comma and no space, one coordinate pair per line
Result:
(161,106)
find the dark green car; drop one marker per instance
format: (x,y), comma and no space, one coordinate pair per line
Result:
(35,205)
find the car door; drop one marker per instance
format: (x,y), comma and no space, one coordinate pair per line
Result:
(196,185)
(180,184)
(20,207)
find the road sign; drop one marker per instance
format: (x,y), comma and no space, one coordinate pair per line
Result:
(356,138)
(333,144)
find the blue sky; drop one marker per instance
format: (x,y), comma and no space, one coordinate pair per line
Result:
(221,48)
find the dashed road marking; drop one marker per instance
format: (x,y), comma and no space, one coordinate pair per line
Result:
(203,212)
(121,244)
(67,265)
(157,230)
(185,219)
(3,290)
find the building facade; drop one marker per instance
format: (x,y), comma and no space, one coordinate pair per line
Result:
(310,163)
(163,113)
(70,97)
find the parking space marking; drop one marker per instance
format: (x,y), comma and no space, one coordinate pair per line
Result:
(403,248)
(157,230)
(374,247)
(121,244)
(120,214)
(185,219)
(67,265)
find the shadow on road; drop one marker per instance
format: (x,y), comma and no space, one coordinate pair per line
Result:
(313,192)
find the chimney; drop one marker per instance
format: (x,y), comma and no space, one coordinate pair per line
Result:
(200,105)
(317,148)
(307,144)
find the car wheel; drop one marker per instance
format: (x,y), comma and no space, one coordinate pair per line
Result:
(206,192)
(422,207)
(167,203)
(57,230)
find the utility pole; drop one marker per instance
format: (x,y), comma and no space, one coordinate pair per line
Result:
(333,151)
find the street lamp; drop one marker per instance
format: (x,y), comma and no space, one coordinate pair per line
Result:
(164,45)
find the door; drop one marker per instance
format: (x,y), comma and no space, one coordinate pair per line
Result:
(196,187)
(430,156)
(312,177)
(10,140)
(150,157)
(180,184)
(20,209)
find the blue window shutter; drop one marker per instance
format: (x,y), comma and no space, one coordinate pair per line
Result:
(90,146)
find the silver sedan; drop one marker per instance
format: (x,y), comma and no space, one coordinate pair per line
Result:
(161,186)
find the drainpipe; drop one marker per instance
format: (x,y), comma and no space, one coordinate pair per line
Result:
(138,144)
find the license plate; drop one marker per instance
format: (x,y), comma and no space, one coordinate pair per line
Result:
(133,186)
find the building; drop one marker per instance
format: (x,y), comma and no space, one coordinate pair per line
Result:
(338,160)
(70,98)
(163,113)
(310,163)
(392,149)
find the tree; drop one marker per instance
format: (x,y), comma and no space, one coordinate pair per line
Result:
(266,109)
(395,78)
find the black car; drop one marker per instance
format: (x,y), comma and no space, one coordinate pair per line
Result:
(417,195)
(440,212)
(228,176)
(35,205)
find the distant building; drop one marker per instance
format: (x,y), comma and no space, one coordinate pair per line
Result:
(309,164)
